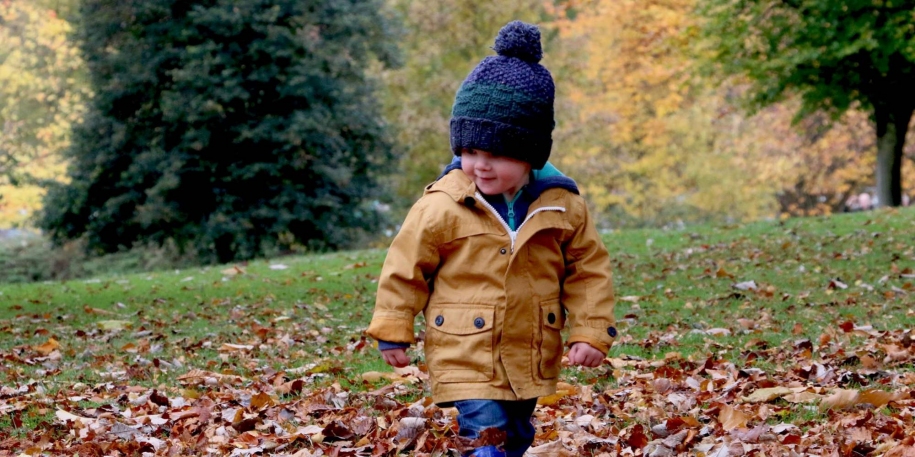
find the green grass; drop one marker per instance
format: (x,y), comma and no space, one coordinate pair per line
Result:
(675,280)
(675,288)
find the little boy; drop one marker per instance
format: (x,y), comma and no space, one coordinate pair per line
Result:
(497,254)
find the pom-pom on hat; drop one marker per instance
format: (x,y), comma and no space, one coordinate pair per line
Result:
(505,106)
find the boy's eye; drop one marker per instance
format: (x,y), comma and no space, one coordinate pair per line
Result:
(467,151)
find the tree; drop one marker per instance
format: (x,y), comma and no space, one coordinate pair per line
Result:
(232,128)
(647,141)
(43,89)
(834,53)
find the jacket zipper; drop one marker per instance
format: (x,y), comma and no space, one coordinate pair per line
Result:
(511,209)
(511,213)
(513,234)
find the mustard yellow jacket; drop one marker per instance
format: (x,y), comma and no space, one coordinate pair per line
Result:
(495,301)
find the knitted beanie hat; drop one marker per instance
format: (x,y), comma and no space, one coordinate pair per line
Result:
(505,106)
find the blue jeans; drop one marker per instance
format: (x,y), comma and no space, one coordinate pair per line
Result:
(512,417)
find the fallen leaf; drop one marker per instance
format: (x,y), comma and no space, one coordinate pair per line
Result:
(113,325)
(731,418)
(767,394)
(746,285)
(562,390)
(48,347)
(802,397)
(840,399)
(229,347)
(880,398)
(261,401)
(409,429)
(65,416)
(901,451)
(235,270)
(551,449)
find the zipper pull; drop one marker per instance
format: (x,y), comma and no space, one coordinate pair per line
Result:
(511,215)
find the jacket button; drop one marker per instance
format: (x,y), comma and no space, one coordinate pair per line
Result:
(502,251)
(439,320)
(551,318)
(611,331)
(479,322)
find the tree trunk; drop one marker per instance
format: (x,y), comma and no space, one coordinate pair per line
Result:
(892,125)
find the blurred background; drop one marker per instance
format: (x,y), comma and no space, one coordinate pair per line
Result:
(148,133)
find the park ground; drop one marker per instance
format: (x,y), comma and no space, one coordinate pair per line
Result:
(788,337)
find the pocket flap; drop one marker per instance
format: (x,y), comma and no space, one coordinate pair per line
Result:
(552,315)
(460,319)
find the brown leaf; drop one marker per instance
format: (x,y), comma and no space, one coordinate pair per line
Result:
(637,439)
(229,347)
(489,437)
(408,430)
(262,400)
(235,270)
(767,394)
(90,310)
(880,398)
(802,397)
(292,387)
(48,347)
(901,451)
(158,398)
(562,390)
(731,418)
(337,430)
(840,399)
(791,439)
(551,449)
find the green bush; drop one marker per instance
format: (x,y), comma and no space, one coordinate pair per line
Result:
(33,258)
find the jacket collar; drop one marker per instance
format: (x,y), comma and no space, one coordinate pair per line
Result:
(547,178)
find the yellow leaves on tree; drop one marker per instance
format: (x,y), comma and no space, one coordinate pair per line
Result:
(42,93)
(653,142)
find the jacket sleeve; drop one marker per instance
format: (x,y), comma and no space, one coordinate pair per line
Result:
(403,287)
(587,292)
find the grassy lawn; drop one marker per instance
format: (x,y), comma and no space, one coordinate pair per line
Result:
(712,314)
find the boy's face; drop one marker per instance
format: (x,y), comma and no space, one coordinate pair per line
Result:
(494,174)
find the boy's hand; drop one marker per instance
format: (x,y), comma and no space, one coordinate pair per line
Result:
(396,357)
(585,355)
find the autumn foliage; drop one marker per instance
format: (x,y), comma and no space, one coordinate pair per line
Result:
(649,134)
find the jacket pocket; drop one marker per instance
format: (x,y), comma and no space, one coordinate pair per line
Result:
(459,342)
(552,320)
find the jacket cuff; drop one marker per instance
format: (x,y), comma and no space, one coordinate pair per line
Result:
(387,345)
(599,338)
(392,330)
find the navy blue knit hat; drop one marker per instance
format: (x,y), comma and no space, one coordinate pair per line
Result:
(505,106)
